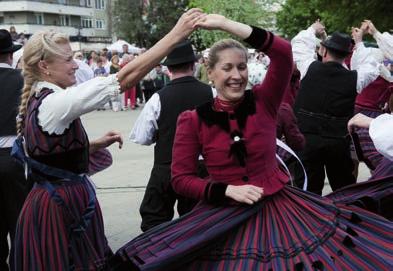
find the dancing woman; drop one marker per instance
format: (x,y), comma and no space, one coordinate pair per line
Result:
(249,218)
(60,227)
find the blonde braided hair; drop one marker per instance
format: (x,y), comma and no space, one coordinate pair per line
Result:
(42,46)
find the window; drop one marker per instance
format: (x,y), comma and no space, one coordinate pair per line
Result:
(65,20)
(39,18)
(62,2)
(100,24)
(85,3)
(100,4)
(87,23)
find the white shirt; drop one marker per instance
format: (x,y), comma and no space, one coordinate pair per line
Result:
(63,106)
(303,48)
(385,43)
(146,125)
(5,65)
(381,133)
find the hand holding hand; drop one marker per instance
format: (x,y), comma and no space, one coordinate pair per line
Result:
(360,121)
(371,28)
(211,21)
(186,23)
(319,29)
(357,34)
(249,194)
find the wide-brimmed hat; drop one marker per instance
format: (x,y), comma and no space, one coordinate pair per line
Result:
(6,44)
(339,42)
(182,53)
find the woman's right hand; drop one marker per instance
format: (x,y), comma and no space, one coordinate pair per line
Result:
(249,194)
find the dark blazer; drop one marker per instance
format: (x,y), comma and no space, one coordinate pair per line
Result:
(11,87)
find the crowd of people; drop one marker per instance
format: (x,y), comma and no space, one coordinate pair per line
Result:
(215,125)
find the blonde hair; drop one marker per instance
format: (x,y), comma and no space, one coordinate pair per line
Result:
(42,46)
(222,45)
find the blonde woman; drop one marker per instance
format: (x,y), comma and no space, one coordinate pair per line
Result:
(61,226)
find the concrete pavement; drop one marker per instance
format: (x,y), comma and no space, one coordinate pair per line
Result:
(120,188)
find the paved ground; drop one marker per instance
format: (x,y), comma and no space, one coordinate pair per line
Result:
(120,188)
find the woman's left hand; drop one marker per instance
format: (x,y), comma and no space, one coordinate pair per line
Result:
(211,21)
(108,139)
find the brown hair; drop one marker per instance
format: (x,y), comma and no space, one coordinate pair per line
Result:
(221,46)
(41,46)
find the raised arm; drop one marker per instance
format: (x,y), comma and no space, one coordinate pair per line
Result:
(384,40)
(134,71)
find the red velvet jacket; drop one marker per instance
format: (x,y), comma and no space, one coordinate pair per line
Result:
(211,133)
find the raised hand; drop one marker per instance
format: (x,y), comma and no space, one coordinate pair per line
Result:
(371,28)
(319,29)
(357,34)
(186,23)
(249,194)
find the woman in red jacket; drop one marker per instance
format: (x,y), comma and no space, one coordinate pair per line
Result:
(248,218)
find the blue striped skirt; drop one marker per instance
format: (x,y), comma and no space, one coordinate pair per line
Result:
(290,230)
(50,235)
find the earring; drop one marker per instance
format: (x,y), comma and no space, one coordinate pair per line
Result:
(48,73)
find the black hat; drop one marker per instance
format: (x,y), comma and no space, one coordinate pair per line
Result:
(182,53)
(6,45)
(339,42)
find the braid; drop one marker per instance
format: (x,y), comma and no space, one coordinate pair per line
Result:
(41,46)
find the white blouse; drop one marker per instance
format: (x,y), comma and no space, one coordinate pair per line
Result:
(60,108)
(381,133)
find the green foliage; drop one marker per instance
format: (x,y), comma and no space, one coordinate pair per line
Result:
(145,25)
(336,15)
(245,11)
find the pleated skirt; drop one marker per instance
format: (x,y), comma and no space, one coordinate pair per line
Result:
(290,230)
(51,234)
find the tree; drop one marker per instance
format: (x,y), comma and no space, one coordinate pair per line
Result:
(128,21)
(145,24)
(245,11)
(337,16)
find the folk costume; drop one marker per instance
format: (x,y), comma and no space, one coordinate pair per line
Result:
(157,124)
(288,229)
(60,226)
(324,105)
(373,98)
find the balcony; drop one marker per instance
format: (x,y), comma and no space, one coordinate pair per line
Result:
(45,7)
(69,30)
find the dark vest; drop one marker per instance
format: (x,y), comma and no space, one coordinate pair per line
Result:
(326,99)
(69,151)
(176,97)
(11,88)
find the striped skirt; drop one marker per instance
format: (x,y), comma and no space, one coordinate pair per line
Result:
(51,235)
(369,151)
(290,230)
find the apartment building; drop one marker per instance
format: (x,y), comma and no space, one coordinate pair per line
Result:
(87,22)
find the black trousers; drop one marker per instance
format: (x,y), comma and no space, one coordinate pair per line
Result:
(13,191)
(326,154)
(159,200)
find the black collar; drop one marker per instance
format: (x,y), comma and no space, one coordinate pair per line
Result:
(212,117)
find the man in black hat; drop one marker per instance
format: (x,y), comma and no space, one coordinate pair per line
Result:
(13,186)
(325,103)
(157,123)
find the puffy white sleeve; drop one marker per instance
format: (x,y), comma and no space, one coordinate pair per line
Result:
(303,49)
(146,125)
(60,108)
(385,43)
(364,61)
(381,133)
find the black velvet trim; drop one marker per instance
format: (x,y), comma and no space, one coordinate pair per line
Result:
(217,193)
(268,43)
(348,242)
(257,37)
(351,231)
(206,192)
(238,148)
(211,117)
(355,218)
(299,266)
(317,265)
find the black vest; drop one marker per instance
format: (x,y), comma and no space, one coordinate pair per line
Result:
(326,99)
(11,87)
(177,96)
